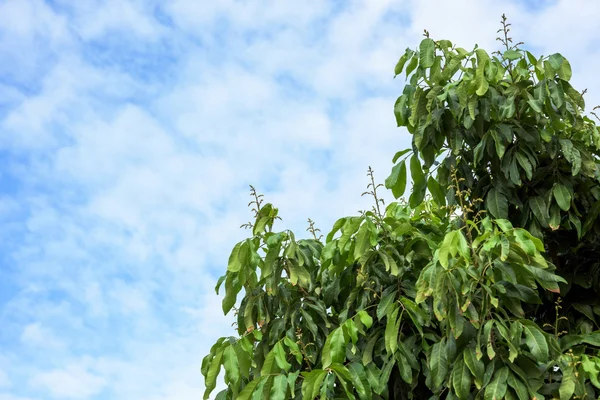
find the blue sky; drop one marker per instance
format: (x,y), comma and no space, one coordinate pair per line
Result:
(130,130)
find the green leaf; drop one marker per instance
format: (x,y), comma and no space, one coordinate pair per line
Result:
(568,341)
(399,154)
(567,385)
(562,196)
(334,349)
(246,393)
(497,387)
(547,280)
(497,203)
(298,274)
(412,64)
(397,180)
(385,305)
(535,340)
(482,84)
(312,383)
(280,357)
(436,191)
(365,318)
(539,207)
(426,53)
(415,171)
(438,363)
(400,64)
(210,380)
(230,363)
(392,328)
(363,241)
(359,379)
(519,387)
(475,365)
(279,388)
(461,379)
(234,263)
(512,55)
(231,291)
(344,378)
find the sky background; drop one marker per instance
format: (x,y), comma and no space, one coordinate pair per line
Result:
(130,131)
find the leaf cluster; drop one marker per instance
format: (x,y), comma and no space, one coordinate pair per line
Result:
(484,285)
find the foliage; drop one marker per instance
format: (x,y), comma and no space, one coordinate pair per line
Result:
(488,288)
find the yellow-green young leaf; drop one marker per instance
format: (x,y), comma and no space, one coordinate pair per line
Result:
(497,387)
(497,203)
(365,318)
(592,367)
(210,381)
(438,363)
(230,363)
(563,196)
(461,379)
(279,388)
(535,340)
(391,331)
(475,365)
(312,383)
(334,349)
(336,227)
(426,53)
(231,292)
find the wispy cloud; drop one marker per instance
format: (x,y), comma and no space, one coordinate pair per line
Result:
(129,131)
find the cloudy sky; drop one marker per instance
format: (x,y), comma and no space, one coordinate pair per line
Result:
(130,131)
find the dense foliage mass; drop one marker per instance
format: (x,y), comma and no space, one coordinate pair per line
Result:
(487,288)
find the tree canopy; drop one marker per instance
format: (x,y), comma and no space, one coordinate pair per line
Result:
(484,284)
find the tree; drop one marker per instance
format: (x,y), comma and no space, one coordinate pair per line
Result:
(487,288)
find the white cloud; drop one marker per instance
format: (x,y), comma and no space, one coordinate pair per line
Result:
(36,335)
(72,382)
